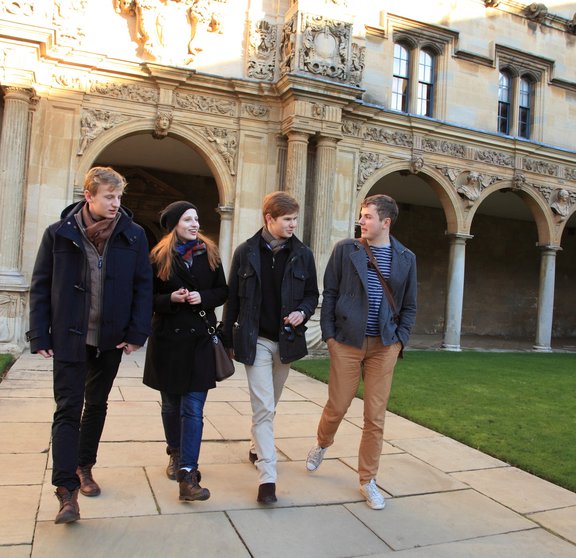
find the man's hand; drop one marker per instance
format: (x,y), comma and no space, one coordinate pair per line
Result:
(46,353)
(128,347)
(294,318)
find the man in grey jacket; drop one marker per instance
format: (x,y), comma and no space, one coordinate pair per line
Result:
(365,333)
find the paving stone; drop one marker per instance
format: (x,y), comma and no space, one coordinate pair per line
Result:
(18,514)
(26,410)
(438,518)
(25,437)
(193,536)
(25,469)
(518,490)
(562,521)
(17,551)
(318,532)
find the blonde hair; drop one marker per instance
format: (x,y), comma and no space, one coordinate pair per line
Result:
(103,175)
(162,255)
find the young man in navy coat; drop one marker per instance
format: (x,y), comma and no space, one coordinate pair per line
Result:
(90,301)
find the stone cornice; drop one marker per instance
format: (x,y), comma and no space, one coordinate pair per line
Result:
(338,93)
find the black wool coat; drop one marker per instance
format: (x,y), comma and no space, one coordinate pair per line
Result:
(179,356)
(60,289)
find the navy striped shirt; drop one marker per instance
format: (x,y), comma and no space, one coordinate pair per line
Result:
(383,255)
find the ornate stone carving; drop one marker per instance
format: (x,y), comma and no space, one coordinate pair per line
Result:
(469,186)
(93,122)
(126,91)
(444,147)
(68,81)
(68,19)
(288,47)
(351,128)
(571,25)
(319,111)
(262,51)
(391,137)
(162,125)
(561,203)
(450,172)
(541,167)
(226,143)
(416,164)
(491,3)
(11,308)
(325,47)
(17,8)
(519,181)
(570,174)
(536,12)
(257,111)
(168,30)
(357,64)
(201,103)
(369,164)
(494,157)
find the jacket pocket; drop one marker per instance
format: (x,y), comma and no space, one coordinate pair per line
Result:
(246,277)
(299,278)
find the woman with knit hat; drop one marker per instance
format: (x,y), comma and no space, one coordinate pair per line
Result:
(188,279)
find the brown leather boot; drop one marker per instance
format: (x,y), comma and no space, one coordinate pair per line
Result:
(173,463)
(88,486)
(267,493)
(190,488)
(69,509)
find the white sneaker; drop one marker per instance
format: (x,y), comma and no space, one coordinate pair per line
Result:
(315,457)
(374,498)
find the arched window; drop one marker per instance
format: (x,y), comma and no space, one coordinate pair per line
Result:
(504,99)
(525,107)
(425,83)
(401,81)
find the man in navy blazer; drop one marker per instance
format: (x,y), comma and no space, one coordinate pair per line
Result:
(365,333)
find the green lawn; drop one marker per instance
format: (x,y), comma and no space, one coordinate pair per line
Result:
(518,407)
(5,362)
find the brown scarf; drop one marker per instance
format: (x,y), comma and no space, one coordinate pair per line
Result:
(275,244)
(98,232)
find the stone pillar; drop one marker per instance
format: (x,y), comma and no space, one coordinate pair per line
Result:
(454,292)
(13,150)
(295,183)
(324,181)
(546,298)
(226,213)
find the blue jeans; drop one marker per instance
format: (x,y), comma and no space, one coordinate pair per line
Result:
(183,420)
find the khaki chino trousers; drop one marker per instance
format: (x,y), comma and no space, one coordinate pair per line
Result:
(375,363)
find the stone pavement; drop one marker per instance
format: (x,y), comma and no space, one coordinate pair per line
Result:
(446,500)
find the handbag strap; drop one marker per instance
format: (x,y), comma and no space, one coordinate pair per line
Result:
(211,329)
(374,264)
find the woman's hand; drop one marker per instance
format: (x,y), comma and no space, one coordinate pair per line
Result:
(193,297)
(179,295)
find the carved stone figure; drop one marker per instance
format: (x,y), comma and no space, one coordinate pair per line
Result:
(67,18)
(357,64)
(571,25)
(537,12)
(288,47)
(262,51)
(369,164)
(93,123)
(162,125)
(491,3)
(416,164)
(519,181)
(226,142)
(561,205)
(470,188)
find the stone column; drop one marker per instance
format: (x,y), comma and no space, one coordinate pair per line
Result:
(546,298)
(324,180)
(226,213)
(454,292)
(295,182)
(13,150)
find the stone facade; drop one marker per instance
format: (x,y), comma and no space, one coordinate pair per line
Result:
(223,101)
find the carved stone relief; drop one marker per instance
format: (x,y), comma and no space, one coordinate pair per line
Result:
(325,47)
(561,203)
(571,25)
(416,164)
(288,47)
(451,173)
(17,8)
(391,137)
(369,164)
(162,125)
(351,128)
(257,111)
(444,147)
(11,308)
(491,3)
(93,122)
(570,174)
(201,103)
(170,31)
(541,167)
(125,91)
(536,12)
(262,51)
(357,64)
(226,143)
(494,157)
(319,111)
(68,81)
(68,19)
(470,185)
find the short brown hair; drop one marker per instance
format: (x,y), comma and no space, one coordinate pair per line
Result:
(103,175)
(279,203)
(385,206)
